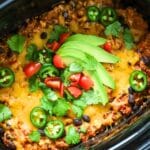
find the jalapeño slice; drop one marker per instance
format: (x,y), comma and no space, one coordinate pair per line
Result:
(38,117)
(138,80)
(108,16)
(54,129)
(93,13)
(7,77)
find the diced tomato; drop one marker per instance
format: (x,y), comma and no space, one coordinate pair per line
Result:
(108,47)
(57,61)
(55,46)
(63,37)
(75,77)
(53,82)
(61,89)
(86,83)
(31,68)
(74,91)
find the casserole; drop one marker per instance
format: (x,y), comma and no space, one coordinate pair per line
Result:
(95,141)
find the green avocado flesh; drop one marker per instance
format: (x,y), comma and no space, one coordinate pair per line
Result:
(102,73)
(84,50)
(95,76)
(98,53)
(94,40)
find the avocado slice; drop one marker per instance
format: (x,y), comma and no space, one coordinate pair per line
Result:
(94,40)
(99,88)
(98,85)
(98,53)
(81,58)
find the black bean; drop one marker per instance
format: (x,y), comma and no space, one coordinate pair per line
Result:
(77,122)
(131,99)
(146,60)
(43,35)
(130,90)
(86,118)
(135,107)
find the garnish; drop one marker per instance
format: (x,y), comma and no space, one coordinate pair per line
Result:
(16,43)
(61,108)
(128,39)
(114,29)
(5,113)
(72,136)
(34,136)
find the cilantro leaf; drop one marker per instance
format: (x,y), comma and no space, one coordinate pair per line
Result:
(5,113)
(90,97)
(48,93)
(91,63)
(57,31)
(83,130)
(47,105)
(80,103)
(114,29)
(75,67)
(33,83)
(77,110)
(65,76)
(31,50)
(72,136)
(34,136)
(61,108)
(16,43)
(128,39)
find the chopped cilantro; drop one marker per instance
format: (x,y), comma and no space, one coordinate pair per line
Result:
(65,76)
(90,97)
(16,43)
(80,103)
(34,136)
(91,63)
(57,31)
(48,93)
(31,50)
(5,113)
(128,39)
(83,130)
(72,136)
(47,105)
(61,108)
(77,110)
(114,29)
(75,67)
(33,83)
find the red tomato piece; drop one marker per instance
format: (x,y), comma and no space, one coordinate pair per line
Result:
(57,61)
(53,82)
(86,83)
(55,45)
(63,37)
(61,89)
(31,68)
(74,91)
(75,77)
(108,47)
